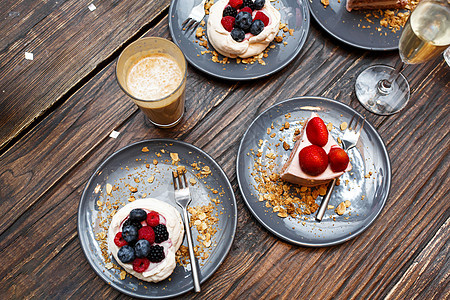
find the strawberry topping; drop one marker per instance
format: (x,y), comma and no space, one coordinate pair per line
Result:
(313,160)
(228,23)
(317,132)
(338,159)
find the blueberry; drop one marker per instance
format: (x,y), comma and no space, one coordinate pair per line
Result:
(136,224)
(243,20)
(130,233)
(256,27)
(138,215)
(259,4)
(142,248)
(238,34)
(126,254)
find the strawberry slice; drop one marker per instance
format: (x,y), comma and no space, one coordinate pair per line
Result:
(313,160)
(338,159)
(317,132)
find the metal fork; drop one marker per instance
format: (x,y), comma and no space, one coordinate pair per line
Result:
(195,17)
(349,141)
(183,198)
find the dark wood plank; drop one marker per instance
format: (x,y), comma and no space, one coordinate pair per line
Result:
(68,42)
(43,178)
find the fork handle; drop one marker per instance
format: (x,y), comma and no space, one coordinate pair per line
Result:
(326,199)
(191,252)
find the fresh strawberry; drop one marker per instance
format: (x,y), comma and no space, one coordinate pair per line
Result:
(317,132)
(119,241)
(228,23)
(247,9)
(338,159)
(236,3)
(313,160)
(261,16)
(152,219)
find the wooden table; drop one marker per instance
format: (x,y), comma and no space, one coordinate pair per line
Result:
(58,110)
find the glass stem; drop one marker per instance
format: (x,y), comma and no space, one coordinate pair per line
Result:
(384,86)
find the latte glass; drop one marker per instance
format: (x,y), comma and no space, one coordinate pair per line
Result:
(163,109)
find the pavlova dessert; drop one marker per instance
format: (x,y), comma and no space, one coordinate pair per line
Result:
(242,28)
(143,237)
(316,157)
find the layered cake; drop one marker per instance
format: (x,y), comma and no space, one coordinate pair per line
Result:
(143,237)
(242,28)
(316,157)
(375,4)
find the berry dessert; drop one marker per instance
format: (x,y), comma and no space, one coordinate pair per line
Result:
(143,237)
(242,28)
(316,158)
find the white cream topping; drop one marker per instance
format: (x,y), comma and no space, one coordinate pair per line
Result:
(172,219)
(222,41)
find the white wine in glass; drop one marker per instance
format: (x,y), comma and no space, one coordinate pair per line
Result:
(384,90)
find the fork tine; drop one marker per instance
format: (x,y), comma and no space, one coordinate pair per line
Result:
(185,21)
(351,122)
(185,180)
(188,25)
(174,177)
(362,124)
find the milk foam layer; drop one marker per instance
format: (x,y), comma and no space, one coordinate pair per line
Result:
(154,77)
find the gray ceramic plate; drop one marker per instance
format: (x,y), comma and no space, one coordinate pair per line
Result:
(293,12)
(351,27)
(370,155)
(122,168)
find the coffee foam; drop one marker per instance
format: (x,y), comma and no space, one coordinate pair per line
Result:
(154,76)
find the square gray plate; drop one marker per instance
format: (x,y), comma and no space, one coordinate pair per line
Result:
(369,155)
(294,13)
(122,168)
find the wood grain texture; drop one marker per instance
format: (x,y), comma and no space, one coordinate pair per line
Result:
(403,254)
(68,42)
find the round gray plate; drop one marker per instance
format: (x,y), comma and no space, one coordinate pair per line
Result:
(293,12)
(343,25)
(370,155)
(122,168)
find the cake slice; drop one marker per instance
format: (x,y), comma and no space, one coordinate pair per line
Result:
(375,4)
(291,170)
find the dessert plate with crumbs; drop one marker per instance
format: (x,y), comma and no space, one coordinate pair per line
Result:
(294,13)
(288,211)
(144,170)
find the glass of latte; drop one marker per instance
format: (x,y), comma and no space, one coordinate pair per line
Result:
(384,90)
(152,71)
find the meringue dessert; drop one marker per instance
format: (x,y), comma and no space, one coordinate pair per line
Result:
(143,237)
(316,157)
(238,28)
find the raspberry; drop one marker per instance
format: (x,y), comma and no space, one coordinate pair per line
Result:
(235,3)
(119,241)
(152,218)
(261,16)
(227,23)
(161,233)
(156,254)
(146,233)
(140,264)
(247,9)
(229,11)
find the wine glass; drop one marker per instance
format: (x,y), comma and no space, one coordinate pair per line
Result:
(384,90)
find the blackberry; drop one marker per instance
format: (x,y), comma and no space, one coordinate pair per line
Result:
(243,20)
(128,221)
(237,34)
(161,233)
(248,3)
(256,27)
(138,215)
(126,254)
(142,248)
(156,254)
(229,11)
(259,4)
(130,233)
